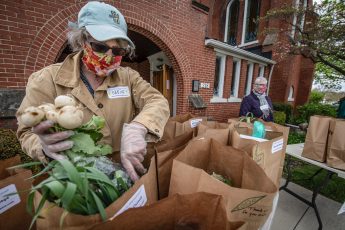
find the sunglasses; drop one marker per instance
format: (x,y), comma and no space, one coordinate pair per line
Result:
(103,48)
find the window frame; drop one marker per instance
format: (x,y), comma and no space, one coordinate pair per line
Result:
(244,25)
(294,21)
(249,78)
(226,34)
(236,81)
(219,97)
(261,71)
(291,93)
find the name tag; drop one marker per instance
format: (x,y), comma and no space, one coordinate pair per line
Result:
(118,92)
(264,107)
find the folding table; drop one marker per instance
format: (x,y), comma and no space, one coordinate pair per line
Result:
(295,150)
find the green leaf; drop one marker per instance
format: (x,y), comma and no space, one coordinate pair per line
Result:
(68,194)
(99,206)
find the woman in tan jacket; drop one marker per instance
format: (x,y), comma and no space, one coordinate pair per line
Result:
(94,77)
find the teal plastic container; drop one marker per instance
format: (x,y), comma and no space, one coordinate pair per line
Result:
(259,129)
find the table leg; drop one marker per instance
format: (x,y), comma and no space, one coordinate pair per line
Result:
(289,173)
(316,189)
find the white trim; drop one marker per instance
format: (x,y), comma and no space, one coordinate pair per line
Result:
(227,21)
(221,74)
(249,78)
(234,99)
(218,100)
(269,79)
(236,81)
(244,21)
(248,43)
(294,21)
(261,71)
(291,93)
(227,49)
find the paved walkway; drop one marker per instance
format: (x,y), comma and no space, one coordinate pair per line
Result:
(293,214)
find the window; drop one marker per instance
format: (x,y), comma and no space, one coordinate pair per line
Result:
(251,15)
(235,79)
(298,20)
(261,71)
(232,12)
(219,76)
(249,78)
(291,94)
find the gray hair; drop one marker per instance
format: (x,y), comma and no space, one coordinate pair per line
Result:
(78,36)
(261,80)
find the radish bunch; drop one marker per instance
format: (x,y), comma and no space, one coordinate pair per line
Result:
(65,112)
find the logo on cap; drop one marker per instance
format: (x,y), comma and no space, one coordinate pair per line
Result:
(115,16)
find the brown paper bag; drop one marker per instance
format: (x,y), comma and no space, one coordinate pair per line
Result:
(267,153)
(166,152)
(143,192)
(315,146)
(249,199)
(181,124)
(212,129)
(336,144)
(13,214)
(202,211)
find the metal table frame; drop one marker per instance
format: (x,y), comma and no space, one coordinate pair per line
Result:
(295,150)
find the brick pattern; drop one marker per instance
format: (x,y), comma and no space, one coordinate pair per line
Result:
(33,33)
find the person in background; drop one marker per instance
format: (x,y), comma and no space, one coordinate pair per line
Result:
(341,108)
(257,102)
(94,77)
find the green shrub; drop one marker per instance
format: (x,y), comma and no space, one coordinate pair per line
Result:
(295,138)
(286,108)
(279,117)
(307,110)
(316,97)
(10,147)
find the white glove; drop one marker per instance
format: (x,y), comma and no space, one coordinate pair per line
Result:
(133,149)
(52,143)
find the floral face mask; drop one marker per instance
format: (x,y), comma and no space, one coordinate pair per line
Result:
(100,63)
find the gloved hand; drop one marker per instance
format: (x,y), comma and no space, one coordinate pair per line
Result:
(133,149)
(52,143)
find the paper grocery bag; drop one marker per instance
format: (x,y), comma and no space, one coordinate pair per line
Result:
(267,152)
(143,192)
(315,146)
(249,198)
(13,214)
(181,124)
(202,211)
(216,130)
(336,144)
(166,152)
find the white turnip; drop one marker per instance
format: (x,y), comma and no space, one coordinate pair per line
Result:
(64,100)
(70,117)
(52,115)
(47,107)
(32,116)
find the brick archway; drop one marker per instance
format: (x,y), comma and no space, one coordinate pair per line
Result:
(52,37)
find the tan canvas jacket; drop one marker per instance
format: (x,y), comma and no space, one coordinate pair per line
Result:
(145,104)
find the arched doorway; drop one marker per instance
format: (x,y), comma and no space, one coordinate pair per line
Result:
(151,63)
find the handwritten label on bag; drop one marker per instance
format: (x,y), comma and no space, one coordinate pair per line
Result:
(7,202)
(118,92)
(277,145)
(139,199)
(342,209)
(259,156)
(195,122)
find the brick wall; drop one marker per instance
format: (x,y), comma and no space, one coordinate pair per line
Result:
(32,35)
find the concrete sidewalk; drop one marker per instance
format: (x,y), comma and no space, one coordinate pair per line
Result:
(293,214)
